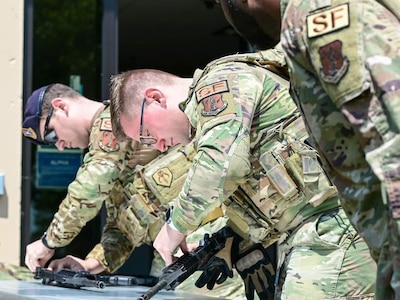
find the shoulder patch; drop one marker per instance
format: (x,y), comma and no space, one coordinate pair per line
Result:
(212,89)
(334,64)
(105,124)
(215,98)
(108,142)
(329,20)
(213,105)
(163,177)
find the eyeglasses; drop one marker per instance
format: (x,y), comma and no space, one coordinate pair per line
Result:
(145,139)
(49,136)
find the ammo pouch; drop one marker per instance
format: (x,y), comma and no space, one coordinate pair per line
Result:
(296,162)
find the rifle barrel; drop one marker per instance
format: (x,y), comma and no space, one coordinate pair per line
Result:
(154,290)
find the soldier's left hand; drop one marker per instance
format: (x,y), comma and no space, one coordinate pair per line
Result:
(68,262)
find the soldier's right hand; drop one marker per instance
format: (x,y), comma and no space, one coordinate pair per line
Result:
(37,254)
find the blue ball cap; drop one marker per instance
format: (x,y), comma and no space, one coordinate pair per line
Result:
(33,112)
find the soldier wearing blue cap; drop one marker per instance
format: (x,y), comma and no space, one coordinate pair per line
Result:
(33,115)
(57,115)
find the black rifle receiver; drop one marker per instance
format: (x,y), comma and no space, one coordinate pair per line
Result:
(68,278)
(77,279)
(190,262)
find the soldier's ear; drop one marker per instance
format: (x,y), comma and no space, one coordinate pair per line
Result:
(154,94)
(59,103)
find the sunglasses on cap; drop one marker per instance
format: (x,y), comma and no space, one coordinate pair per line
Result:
(49,134)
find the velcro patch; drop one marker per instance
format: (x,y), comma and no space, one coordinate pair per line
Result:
(108,142)
(213,105)
(328,20)
(212,89)
(215,98)
(163,177)
(105,124)
(334,64)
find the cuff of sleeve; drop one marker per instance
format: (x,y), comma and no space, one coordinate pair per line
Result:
(98,253)
(179,222)
(45,242)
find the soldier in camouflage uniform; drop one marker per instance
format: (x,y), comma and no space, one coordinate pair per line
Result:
(107,167)
(344,62)
(112,172)
(252,157)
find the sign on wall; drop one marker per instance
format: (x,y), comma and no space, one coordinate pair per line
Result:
(56,169)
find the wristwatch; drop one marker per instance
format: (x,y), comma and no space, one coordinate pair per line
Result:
(44,241)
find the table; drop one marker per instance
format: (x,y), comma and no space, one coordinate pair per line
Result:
(26,290)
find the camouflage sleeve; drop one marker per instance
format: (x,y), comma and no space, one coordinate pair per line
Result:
(103,168)
(129,225)
(131,219)
(222,119)
(113,250)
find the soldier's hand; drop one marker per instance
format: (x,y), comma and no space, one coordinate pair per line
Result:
(37,254)
(257,270)
(216,271)
(68,262)
(167,241)
(76,264)
(219,267)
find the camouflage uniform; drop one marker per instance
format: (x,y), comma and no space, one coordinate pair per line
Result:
(14,272)
(107,168)
(344,61)
(253,157)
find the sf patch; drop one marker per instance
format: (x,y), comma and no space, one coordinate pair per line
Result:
(215,99)
(105,124)
(329,20)
(334,64)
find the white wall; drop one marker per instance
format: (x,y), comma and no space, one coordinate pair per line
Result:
(11,83)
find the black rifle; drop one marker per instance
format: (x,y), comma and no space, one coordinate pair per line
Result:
(77,279)
(190,262)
